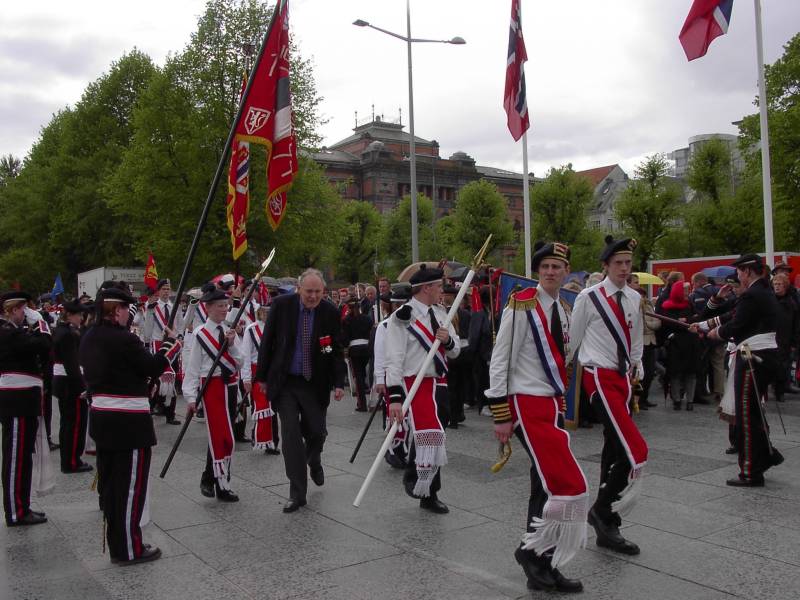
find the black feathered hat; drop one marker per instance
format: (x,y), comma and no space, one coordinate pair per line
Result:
(426,274)
(555,250)
(623,246)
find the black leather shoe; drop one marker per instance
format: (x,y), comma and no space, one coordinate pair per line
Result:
(690,406)
(537,572)
(37,513)
(745,482)
(564,584)
(53,447)
(608,536)
(453,425)
(731,450)
(226,496)
(273,451)
(173,422)
(148,553)
(293,505)
(31,518)
(81,468)
(676,406)
(318,476)
(207,488)
(434,505)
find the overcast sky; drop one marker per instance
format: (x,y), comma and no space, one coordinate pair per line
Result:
(607,79)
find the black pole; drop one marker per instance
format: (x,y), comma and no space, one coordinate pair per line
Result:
(366,429)
(201,224)
(213,368)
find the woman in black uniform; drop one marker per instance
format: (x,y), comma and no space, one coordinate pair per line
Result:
(116,370)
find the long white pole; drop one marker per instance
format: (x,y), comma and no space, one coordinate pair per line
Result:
(765,170)
(412,146)
(413,391)
(526,205)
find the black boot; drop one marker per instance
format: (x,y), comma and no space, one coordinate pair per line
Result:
(608,535)
(537,570)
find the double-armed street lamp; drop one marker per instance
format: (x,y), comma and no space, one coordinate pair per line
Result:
(412,146)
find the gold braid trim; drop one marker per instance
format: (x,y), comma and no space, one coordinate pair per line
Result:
(516,304)
(501,412)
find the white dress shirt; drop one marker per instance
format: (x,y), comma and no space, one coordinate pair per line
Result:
(527,376)
(404,354)
(152,328)
(379,353)
(590,336)
(200,362)
(250,349)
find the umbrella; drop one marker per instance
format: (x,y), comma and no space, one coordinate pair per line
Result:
(449,267)
(719,272)
(648,279)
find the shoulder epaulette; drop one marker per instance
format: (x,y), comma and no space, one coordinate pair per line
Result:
(523,299)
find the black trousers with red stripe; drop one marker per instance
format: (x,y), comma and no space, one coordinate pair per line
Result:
(751,432)
(74,412)
(19,437)
(123,480)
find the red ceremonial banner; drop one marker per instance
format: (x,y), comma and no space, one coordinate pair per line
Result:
(267,115)
(150,273)
(237,202)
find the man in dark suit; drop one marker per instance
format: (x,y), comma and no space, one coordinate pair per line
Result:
(300,360)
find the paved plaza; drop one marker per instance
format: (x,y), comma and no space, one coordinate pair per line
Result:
(699,538)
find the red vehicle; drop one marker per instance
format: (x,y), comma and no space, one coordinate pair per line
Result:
(690,266)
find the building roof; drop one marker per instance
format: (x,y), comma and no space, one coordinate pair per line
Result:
(326,155)
(381,130)
(497,173)
(596,175)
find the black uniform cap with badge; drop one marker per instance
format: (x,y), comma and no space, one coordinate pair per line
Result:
(213,296)
(555,250)
(425,275)
(73,307)
(15,296)
(749,261)
(623,246)
(161,283)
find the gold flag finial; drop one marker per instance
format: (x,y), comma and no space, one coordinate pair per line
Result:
(478,260)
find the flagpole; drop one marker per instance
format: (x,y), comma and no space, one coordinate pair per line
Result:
(765,170)
(221,166)
(526,205)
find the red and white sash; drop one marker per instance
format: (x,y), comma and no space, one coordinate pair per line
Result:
(549,356)
(614,319)
(211,345)
(256,334)
(160,317)
(426,340)
(201,312)
(429,434)
(262,417)
(220,431)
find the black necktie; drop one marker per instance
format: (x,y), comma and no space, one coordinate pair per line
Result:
(434,322)
(166,313)
(622,356)
(220,335)
(556,330)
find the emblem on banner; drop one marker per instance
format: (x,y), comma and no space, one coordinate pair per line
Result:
(255,119)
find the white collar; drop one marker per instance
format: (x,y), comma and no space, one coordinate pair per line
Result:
(545,299)
(611,287)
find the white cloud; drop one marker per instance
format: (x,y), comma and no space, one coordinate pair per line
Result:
(607,79)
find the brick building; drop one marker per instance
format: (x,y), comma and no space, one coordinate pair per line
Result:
(373,165)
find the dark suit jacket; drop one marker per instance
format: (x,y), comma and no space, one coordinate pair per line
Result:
(278,345)
(756,312)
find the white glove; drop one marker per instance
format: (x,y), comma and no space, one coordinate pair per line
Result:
(703,326)
(31,316)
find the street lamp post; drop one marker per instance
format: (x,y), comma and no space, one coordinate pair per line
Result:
(412,145)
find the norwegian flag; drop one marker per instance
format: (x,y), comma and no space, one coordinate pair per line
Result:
(706,21)
(514,100)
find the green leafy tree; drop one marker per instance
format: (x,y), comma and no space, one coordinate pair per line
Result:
(649,208)
(709,173)
(63,180)
(181,125)
(783,108)
(10,166)
(395,243)
(358,247)
(559,205)
(481,210)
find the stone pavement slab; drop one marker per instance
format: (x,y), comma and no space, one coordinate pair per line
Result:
(700,539)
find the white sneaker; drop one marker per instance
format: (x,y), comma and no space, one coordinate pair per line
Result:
(485,412)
